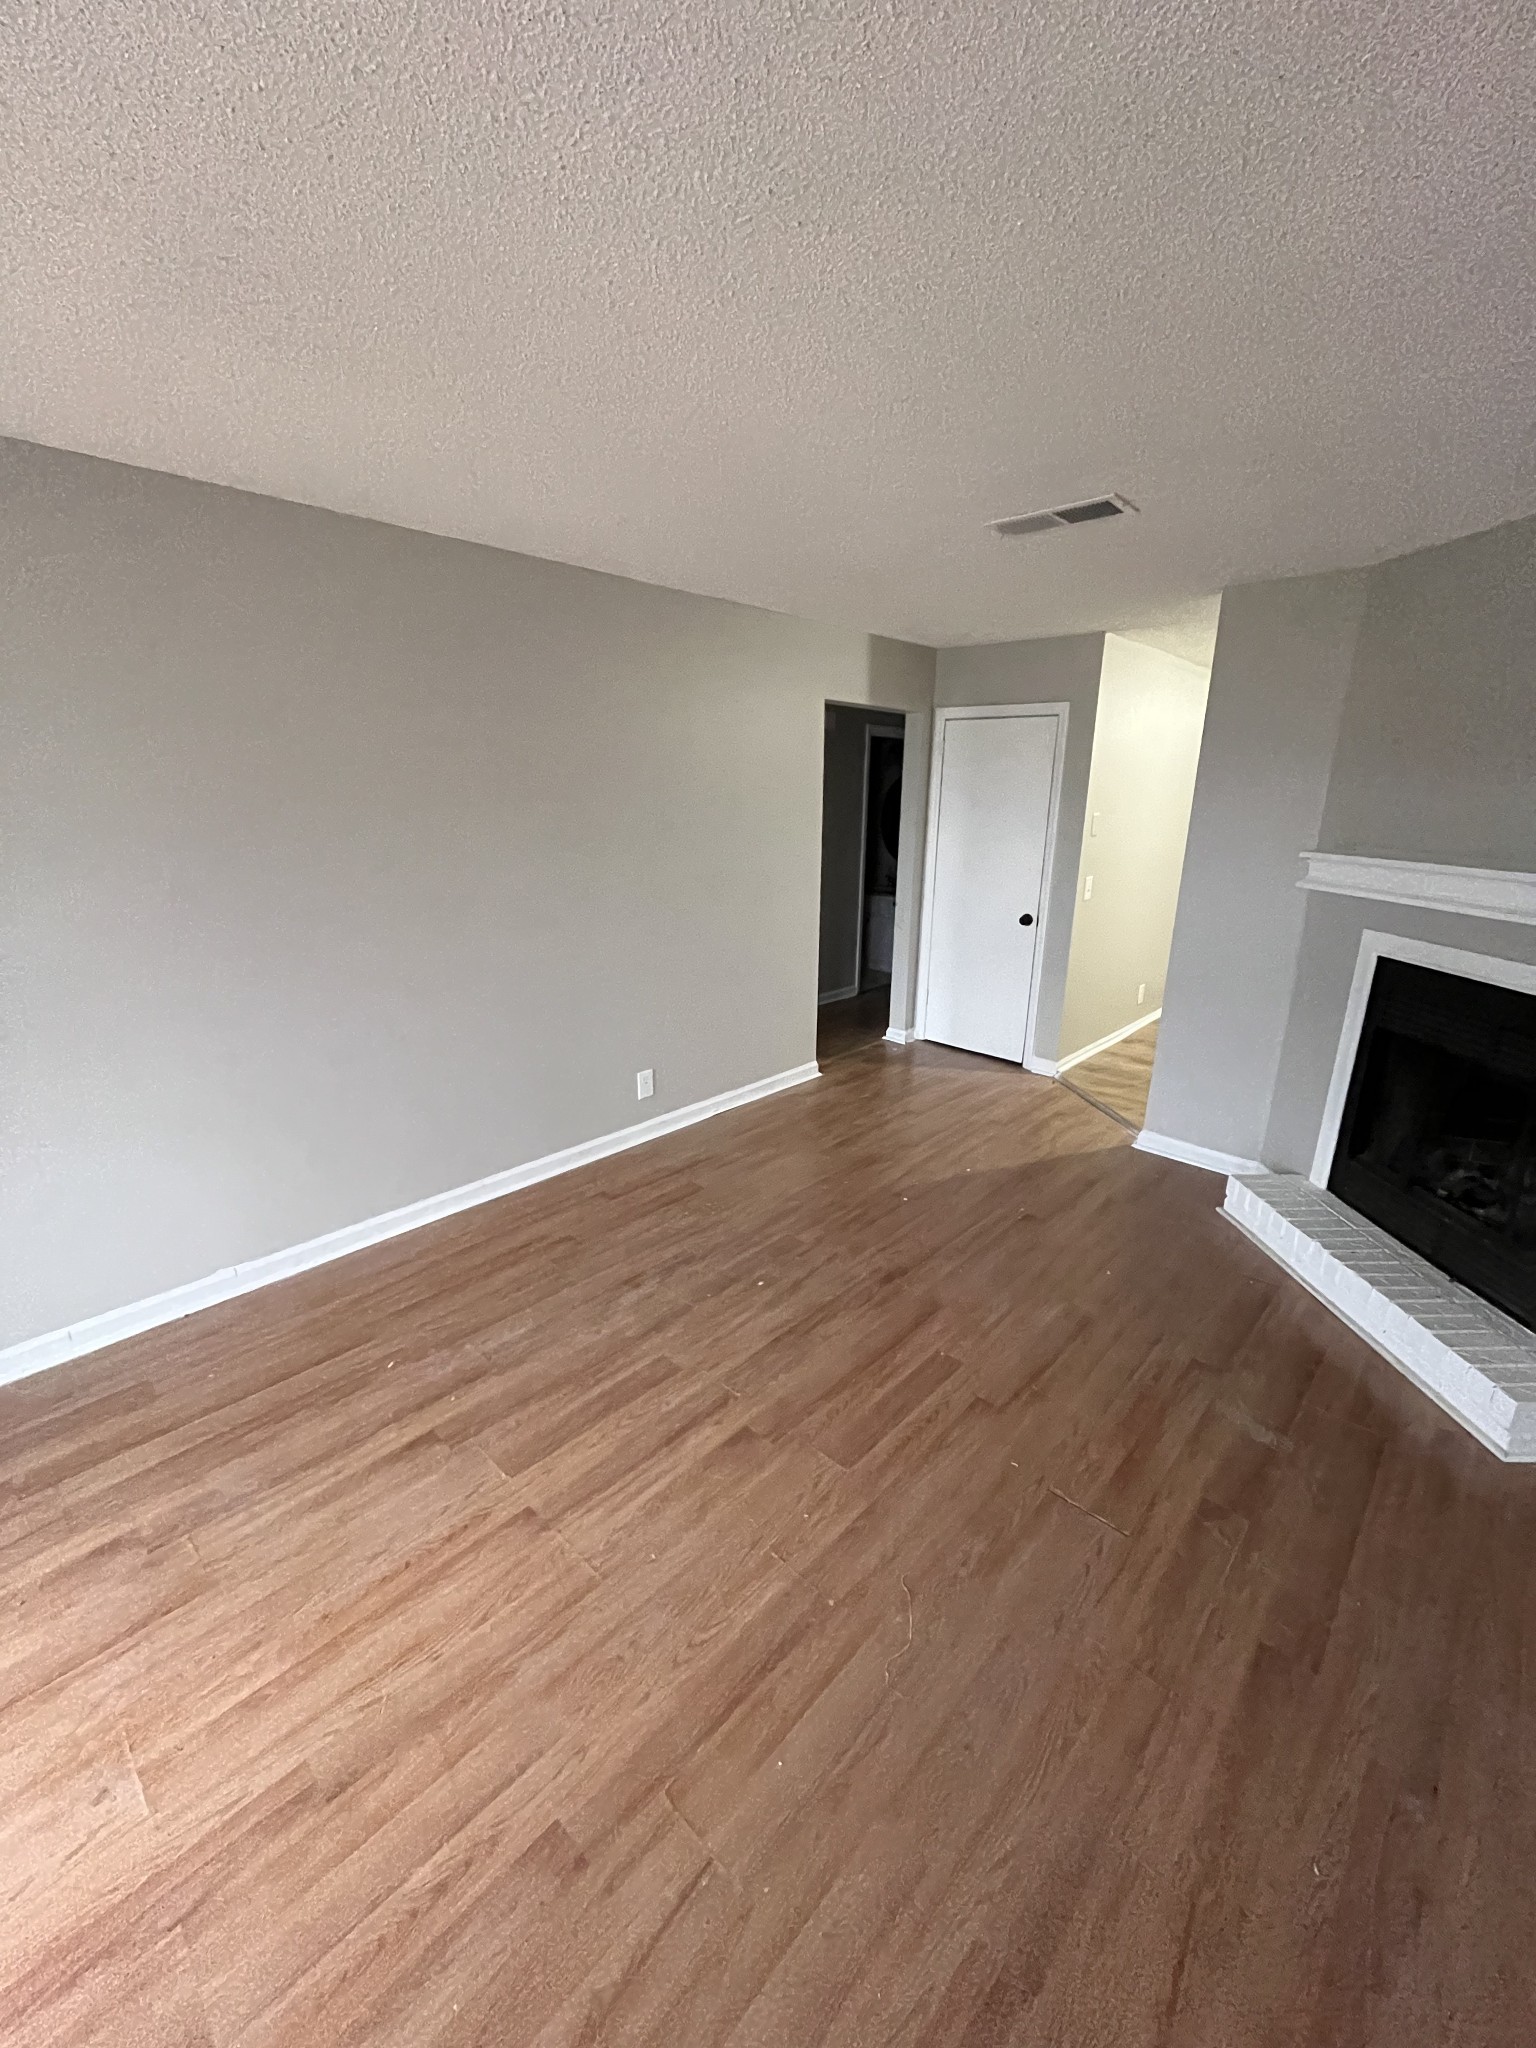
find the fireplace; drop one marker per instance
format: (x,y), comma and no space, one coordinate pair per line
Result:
(1437,1142)
(1417,1221)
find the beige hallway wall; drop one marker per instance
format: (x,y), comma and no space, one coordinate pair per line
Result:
(1146,746)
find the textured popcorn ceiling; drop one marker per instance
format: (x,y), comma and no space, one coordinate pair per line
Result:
(782,302)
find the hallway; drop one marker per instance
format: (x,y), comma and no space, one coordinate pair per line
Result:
(857,1021)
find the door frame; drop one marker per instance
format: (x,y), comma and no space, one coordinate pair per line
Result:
(943,715)
(871,732)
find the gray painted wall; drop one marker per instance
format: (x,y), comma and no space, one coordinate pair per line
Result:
(1436,760)
(1064,671)
(1390,711)
(1146,746)
(1437,748)
(344,865)
(1278,680)
(916,751)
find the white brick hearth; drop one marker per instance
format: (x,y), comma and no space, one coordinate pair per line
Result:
(1475,1361)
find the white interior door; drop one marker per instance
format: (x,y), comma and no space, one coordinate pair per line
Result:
(991,835)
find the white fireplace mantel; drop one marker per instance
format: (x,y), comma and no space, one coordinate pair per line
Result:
(1424,885)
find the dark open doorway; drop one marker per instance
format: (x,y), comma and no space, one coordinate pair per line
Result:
(860,831)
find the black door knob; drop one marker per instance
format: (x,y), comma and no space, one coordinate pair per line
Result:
(1027,918)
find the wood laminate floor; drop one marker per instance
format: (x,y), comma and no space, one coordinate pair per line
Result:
(858,1021)
(1119,1080)
(885,1566)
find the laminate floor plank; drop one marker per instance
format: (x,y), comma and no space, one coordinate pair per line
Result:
(1120,1079)
(889,1566)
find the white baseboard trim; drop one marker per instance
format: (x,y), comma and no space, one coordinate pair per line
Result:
(1031,1064)
(37,1354)
(837,995)
(1086,1052)
(1196,1155)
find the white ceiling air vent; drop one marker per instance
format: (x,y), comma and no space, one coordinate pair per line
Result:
(1082,513)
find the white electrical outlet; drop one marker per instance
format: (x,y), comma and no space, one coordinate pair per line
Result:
(645,1082)
(1141,991)
(1093,829)
(1088,890)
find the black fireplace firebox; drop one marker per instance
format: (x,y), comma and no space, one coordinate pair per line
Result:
(1438,1141)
